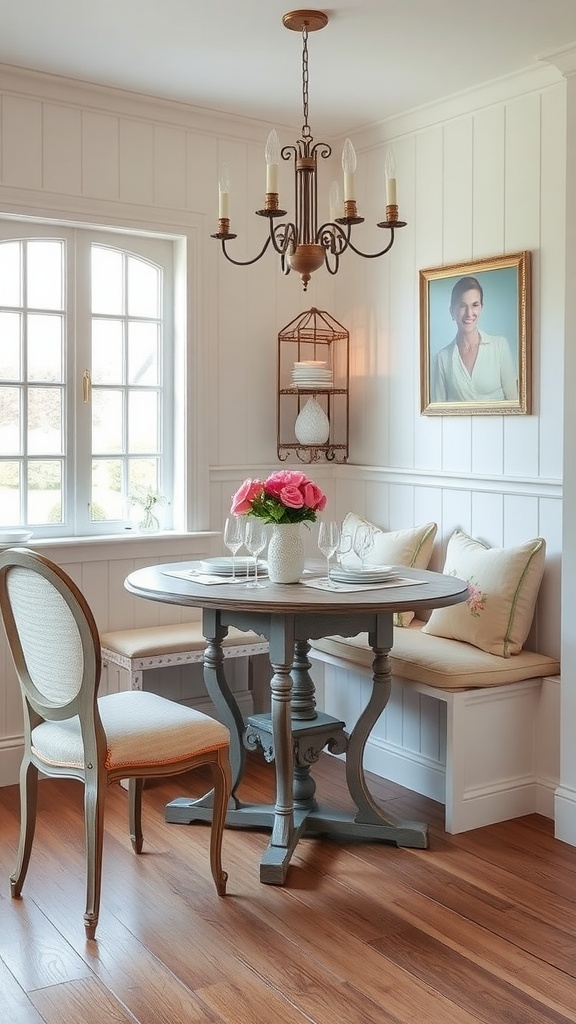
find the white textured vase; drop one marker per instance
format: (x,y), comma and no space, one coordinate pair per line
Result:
(312,425)
(285,553)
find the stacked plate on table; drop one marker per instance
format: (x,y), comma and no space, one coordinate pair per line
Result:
(224,567)
(312,374)
(371,574)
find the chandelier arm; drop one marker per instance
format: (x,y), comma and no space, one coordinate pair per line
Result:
(334,238)
(283,236)
(373,255)
(245,263)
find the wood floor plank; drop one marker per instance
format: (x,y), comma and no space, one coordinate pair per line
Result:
(478,929)
(16,1006)
(80,1002)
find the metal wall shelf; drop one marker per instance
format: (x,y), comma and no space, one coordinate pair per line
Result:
(313,335)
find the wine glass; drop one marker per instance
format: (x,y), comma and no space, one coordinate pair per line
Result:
(328,541)
(255,541)
(344,548)
(363,542)
(234,538)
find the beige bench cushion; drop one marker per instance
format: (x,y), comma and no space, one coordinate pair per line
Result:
(444,664)
(155,640)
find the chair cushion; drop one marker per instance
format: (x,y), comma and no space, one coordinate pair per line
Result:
(444,664)
(503,585)
(150,641)
(142,729)
(411,547)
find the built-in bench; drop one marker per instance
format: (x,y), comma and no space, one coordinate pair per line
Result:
(462,726)
(157,647)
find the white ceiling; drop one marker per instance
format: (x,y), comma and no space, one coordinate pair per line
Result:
(374,59)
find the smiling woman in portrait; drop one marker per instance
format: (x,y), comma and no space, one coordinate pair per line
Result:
(474,366)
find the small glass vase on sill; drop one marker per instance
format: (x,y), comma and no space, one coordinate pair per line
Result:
(148,502)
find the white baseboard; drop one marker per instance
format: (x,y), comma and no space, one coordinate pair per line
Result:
(565,814)
(11,753)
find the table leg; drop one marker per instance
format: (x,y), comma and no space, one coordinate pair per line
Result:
(385,825)
(184,810)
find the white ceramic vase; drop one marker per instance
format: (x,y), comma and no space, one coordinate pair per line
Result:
(312,425)
(285,553)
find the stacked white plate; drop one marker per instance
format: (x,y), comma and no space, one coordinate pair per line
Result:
(374,574)
(222,566)
(14,536)
(312,373)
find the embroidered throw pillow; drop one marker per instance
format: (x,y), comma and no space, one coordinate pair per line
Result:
(411,547)
(503,585)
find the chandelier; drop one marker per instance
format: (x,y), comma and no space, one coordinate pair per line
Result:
(301,244)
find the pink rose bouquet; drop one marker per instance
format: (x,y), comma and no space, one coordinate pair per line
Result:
(284,497)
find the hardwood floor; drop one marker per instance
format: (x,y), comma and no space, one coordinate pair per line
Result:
(481,927)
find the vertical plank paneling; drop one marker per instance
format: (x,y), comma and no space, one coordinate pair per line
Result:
(136,162)
(548,321)
(457,179)
(489,128)
(62,133)
(487,523)
(402,316)
(522,231)
(169,163)
(428,215)
(521,519)
(21,142)
(100,157)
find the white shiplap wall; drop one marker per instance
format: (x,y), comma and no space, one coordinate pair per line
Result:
(481,175)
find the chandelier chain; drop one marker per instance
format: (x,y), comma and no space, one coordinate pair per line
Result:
(306,133)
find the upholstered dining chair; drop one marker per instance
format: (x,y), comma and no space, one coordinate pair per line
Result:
(69,732)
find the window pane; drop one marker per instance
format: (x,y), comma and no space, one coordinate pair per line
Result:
(45,434)
(10,494)
(143,475)
(143,433)
(107,421)
(10,274)
(143,341)
(10,364)
(107,281)
(107,360)
(143,288)
(44,347)
(10,421)
(44,492)
(107,499)
(44,276)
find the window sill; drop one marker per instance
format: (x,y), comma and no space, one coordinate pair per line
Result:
(128,545)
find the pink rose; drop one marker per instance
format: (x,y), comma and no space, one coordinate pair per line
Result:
(313,497)
(291,497)
(242,500)
(283,478)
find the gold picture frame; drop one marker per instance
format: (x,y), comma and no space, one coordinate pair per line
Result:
(498,348)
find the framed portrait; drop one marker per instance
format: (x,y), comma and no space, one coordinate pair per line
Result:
(475,337)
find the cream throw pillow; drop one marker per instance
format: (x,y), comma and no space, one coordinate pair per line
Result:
(503,585)
(412,547)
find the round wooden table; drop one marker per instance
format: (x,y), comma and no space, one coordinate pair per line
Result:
(295,733)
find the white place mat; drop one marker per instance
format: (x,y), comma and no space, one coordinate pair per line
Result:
(322,583)
(201,577)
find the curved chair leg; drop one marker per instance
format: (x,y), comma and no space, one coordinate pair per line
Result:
(222,778)
(135,787)
(94,799)
(28,803)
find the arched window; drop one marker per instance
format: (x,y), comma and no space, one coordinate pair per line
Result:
(86,379)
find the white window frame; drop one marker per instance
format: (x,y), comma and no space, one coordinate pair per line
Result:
(160,249)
